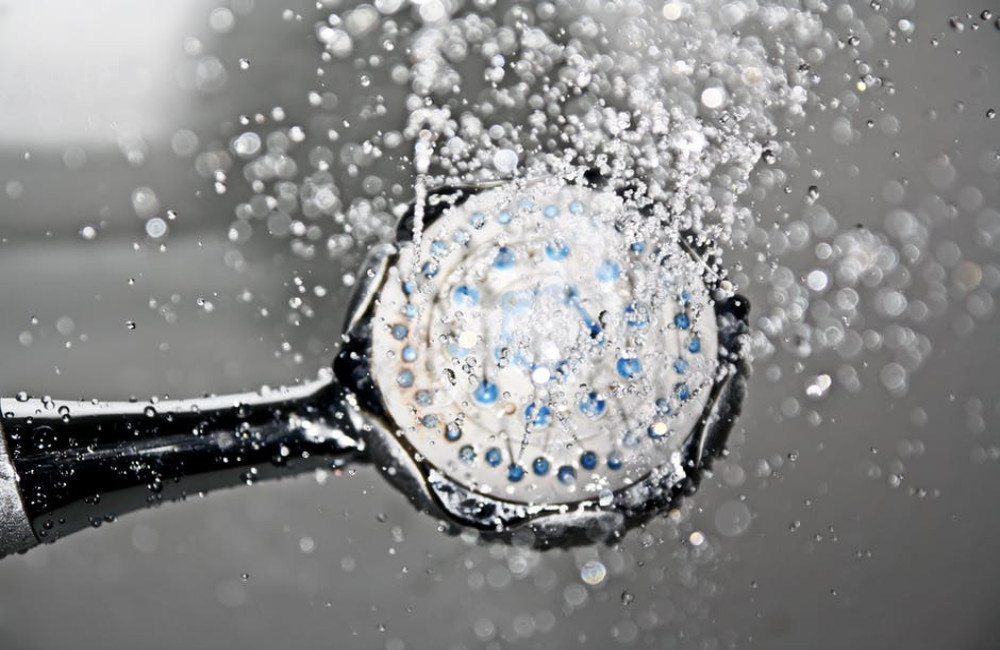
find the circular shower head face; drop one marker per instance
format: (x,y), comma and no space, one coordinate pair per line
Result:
(533,348)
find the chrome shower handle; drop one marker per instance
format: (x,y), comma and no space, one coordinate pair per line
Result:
(15,527)
(65,466)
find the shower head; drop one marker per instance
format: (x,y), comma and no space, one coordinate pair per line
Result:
(551,357)
(550,352)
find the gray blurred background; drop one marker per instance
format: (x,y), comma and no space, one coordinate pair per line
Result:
(873,520)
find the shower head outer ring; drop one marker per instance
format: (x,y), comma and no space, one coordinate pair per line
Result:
(432,490)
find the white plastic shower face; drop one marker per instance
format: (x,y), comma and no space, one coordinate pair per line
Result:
(533,348)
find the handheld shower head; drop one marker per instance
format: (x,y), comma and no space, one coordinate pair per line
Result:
(550,356)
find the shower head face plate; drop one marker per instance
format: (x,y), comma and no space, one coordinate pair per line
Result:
(532,348)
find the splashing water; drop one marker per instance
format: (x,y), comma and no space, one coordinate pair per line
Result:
(682,101)
(698,109)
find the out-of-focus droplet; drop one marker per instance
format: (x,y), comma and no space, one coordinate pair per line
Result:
(732,518)
(714,97)
(156,228)
(246,144)
(593,572)
(505,161)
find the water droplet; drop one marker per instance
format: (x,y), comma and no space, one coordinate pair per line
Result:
(593,572)
(732,518)
(156,228)
(713,98)
(246,144)
(505,161)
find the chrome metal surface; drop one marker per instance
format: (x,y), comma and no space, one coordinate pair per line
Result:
(15,528)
